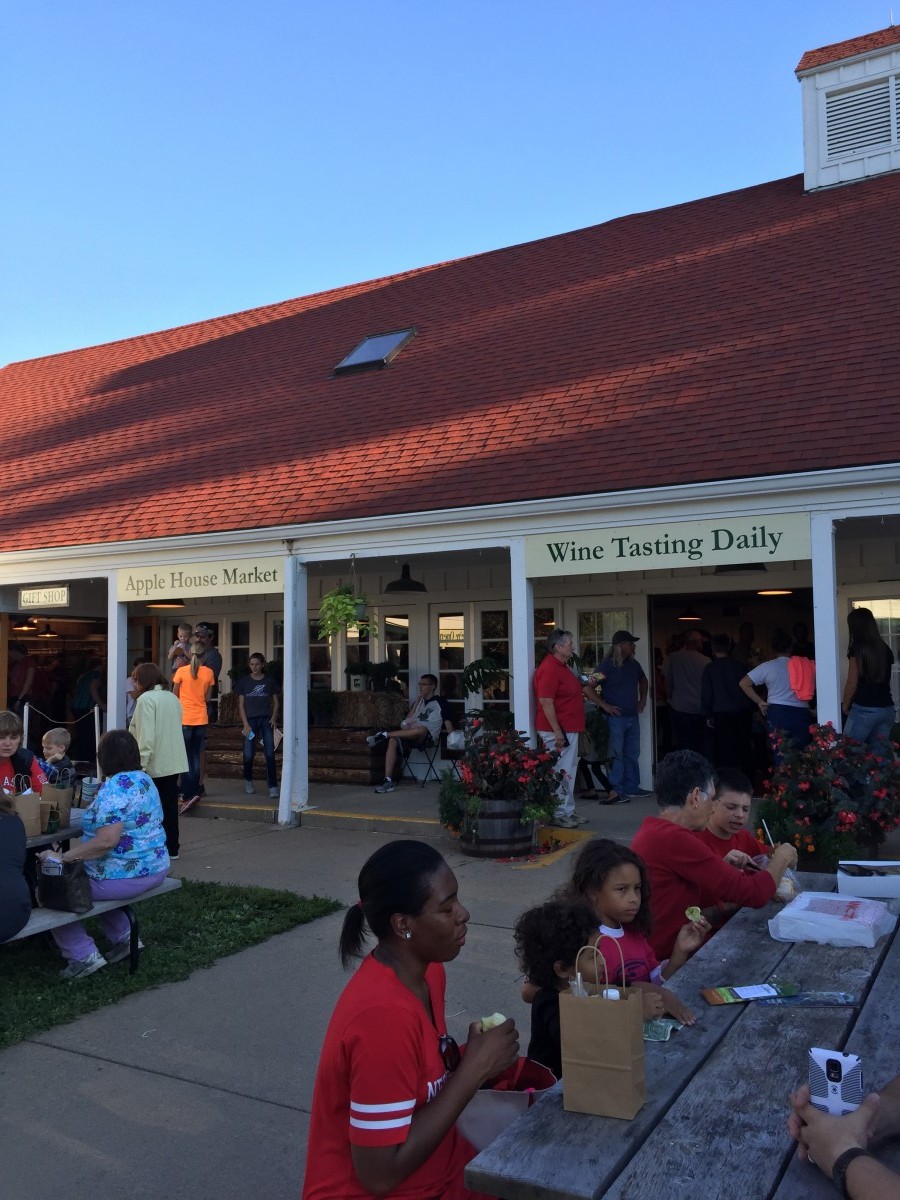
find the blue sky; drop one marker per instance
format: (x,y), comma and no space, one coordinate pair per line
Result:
(172,161)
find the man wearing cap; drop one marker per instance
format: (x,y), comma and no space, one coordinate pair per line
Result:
(623,700)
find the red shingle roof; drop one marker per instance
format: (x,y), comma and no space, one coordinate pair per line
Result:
(857,45)
(746,334)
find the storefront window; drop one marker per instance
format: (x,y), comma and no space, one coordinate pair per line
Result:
(544,624)
(358,647)
(495,645)
(319,659)
(451,660)
(595,630)
(396,646)
(240,649)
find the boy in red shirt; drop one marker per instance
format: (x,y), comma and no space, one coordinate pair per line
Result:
(726,828)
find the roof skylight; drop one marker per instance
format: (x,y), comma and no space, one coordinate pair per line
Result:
(377,350)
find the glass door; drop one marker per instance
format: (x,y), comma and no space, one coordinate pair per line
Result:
(450,630)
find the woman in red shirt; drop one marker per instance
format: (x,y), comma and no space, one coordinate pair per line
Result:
(683,871)
(390,1083)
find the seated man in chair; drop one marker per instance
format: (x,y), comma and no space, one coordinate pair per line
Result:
(420,727)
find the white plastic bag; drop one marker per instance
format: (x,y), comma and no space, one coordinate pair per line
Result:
(832,920)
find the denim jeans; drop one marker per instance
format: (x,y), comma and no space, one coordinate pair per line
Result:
(261,728)
(624,750)
(791,723)
(869,724)
(194,744)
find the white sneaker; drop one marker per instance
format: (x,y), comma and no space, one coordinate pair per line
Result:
(375,739)
(83,967)
(248,787)
(121,950)
(274,793)
(565,822)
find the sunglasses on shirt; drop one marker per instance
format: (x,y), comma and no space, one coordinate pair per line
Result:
(449,1051)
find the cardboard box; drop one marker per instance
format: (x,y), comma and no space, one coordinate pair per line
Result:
(878,887)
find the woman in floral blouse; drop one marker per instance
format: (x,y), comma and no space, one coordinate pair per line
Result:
(123,850)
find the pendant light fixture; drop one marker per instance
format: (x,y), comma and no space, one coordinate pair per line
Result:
(689,615)
(405,583)
(25,625)
(47,632)
(165,604)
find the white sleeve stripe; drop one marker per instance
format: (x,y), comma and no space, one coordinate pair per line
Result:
(396,1124)
(373,1108)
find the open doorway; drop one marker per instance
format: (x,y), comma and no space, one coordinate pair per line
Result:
(749,619)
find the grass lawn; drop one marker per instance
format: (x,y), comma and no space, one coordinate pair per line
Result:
(182,931)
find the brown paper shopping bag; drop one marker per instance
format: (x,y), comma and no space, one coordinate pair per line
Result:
(602,1047)
(61,799)
(29,809)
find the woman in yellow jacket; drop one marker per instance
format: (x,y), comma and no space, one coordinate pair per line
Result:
(156,726)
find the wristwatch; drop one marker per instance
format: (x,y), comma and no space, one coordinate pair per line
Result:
(839,1170)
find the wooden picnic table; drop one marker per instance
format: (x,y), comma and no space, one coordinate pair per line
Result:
(47,839)
(713,1126)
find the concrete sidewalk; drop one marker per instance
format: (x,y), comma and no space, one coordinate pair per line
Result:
(202,1089)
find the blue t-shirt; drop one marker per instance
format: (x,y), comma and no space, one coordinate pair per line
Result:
(130,797)
(620,687)
(257,695)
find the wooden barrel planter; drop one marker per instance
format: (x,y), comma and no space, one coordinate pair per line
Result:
(499,832)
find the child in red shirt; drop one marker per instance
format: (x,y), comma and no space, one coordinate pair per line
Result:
(726,835)
(613,879)
(20,770)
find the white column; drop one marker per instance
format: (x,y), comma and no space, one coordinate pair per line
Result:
(825,615)
(295,749)
(117,665)
(522,638)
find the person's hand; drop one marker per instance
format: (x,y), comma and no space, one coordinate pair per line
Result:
(822,1137)
(763,707)
(784,856)
(737,858)
(676,1008)
(642,704)
(613,710)
(692,935)
(653,1003)
(489,1054)
(52,756)
(246,730)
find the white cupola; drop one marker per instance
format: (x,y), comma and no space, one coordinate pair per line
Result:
(851,109)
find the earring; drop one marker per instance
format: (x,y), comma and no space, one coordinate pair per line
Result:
(407,935)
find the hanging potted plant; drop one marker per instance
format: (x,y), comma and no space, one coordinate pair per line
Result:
(505,786)
(344,608)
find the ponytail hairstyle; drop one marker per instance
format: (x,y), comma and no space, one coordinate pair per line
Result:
(396,879)
(198,653)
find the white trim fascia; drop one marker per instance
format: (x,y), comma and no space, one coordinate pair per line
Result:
(877,488)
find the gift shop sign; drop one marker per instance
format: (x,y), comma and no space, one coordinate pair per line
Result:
(44,597)
(778,538)
(229,577)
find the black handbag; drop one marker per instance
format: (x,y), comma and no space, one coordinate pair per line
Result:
(68,892)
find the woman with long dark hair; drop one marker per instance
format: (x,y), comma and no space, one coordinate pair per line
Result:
(391,1082)
(867,698)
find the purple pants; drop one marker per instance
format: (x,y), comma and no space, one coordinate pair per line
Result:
(75,942)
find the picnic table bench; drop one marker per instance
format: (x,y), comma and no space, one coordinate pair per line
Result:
(43,920)
(713,1125)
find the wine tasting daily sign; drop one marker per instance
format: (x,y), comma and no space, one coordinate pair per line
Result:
(779,538)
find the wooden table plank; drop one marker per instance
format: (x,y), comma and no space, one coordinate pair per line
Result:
(874,1038)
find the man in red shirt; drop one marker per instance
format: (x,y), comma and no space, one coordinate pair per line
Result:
(560,718)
